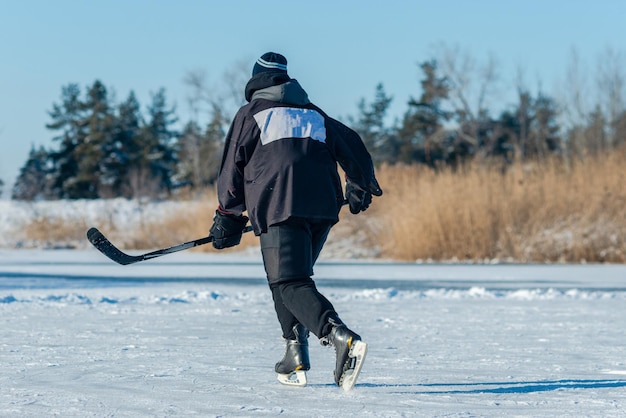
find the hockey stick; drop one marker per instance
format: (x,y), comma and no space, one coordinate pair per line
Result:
(102,244)
(105,246)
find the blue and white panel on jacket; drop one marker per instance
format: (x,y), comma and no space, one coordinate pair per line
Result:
(290,122)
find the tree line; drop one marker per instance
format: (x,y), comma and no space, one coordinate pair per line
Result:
(105,149)
(451,121)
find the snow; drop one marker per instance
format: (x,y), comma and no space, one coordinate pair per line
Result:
(194,334)
(124,213)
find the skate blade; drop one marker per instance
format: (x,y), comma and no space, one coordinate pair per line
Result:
(297,378)
(357,355)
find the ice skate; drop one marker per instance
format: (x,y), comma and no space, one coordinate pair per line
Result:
(291,370)
(350,351)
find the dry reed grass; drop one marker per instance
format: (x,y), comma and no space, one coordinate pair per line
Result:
(51,232)
(533,212)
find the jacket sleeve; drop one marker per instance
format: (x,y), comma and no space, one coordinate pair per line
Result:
(349,151)
(238,146)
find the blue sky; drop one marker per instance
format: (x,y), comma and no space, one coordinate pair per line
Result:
(338,50)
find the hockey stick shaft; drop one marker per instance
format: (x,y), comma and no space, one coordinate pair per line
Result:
(102,244)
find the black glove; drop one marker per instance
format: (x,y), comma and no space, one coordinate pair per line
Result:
(227,229)
(358,198)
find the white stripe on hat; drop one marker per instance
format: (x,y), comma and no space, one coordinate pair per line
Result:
(269,64)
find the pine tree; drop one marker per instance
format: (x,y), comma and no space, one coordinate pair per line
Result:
(544,136)
(124,151)
(422,131)
(531,127)
(199,153)
(505,137)
(211,147)
(33,181)
(370,124)
(619,129)
(67,118)
(156,169)
(595,132)
(188,151)
(98,121)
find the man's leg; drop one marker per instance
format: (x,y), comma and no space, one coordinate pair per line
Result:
(286,251)
(289,252)
(308,305)
(286,319)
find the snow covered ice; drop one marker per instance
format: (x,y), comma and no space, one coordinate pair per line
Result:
(196,335)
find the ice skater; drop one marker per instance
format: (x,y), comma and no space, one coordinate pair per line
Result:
(280,167)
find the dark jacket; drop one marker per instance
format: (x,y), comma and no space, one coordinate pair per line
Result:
(281,154)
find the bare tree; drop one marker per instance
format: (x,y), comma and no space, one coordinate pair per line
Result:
(204,102)
(141,183)
(573,96)
(235,81)
(201,99)
(471,85)
(212,109)
(611,88)
(227,95)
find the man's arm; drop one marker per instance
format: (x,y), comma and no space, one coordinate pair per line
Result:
(230,180)
(350,152)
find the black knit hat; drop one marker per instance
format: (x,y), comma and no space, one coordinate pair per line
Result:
(270,62)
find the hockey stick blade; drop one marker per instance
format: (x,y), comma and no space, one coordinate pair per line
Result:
(102,244)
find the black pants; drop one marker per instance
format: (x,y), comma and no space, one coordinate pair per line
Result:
(290,250)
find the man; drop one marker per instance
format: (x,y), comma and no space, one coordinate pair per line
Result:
(280,165)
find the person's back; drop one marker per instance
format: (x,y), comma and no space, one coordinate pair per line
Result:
(290,170)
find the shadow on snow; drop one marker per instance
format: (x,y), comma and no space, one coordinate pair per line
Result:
(501,387)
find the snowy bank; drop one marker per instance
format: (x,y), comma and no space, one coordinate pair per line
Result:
(124,214)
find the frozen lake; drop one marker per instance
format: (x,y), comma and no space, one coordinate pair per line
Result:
(195,334)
